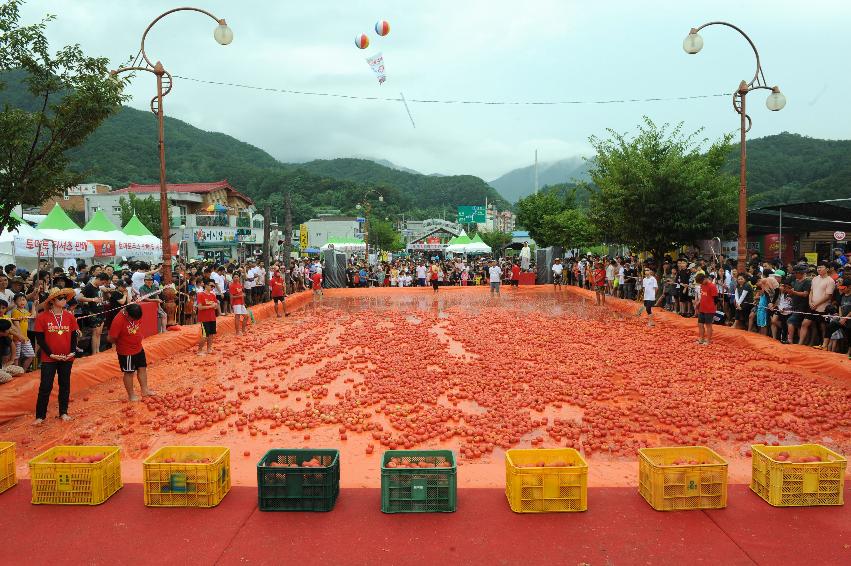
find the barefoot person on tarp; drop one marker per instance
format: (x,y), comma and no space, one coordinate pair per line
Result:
(126,333)
(56,332)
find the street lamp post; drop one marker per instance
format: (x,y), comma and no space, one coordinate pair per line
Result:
(692,44)
(366,205)
(223,35)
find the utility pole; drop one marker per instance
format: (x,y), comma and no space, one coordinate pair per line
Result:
(267,245)
(288,234)
(536,171)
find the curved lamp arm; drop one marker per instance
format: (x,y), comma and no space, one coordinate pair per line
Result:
(223,34)
(693,43)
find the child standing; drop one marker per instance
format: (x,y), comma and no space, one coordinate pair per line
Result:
(706,308)
(20,316)
(276,284)
(237,301)
(316,278)
(598,276)
(207,306)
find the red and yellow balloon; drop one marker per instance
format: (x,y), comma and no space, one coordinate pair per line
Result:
(362,41)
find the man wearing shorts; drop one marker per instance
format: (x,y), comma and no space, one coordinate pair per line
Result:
(799,290)
(207,307)
(558,269)
(495,277)
(705,308)
(276,285)
(126,333)
(650,286)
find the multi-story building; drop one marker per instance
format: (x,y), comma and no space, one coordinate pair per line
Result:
(316,232)
(211,220)
(498,221)
(72,200)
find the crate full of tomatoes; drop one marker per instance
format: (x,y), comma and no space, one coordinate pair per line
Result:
(187,476)
(75,475)
(305,479)
(798,475)
(418,481)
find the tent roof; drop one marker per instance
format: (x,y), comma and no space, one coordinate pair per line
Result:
(136,228)
(335,240)
(477,239)
(57,220)
(837,209)
(802,216)
(100,223)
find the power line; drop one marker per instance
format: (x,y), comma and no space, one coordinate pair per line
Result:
(444,101)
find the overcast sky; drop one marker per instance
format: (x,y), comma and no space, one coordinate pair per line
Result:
(494,50)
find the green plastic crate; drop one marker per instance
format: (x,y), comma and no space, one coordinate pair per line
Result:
(421,490)
(298,489)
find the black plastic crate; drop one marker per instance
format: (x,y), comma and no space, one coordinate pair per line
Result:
(298,489)
(418,490)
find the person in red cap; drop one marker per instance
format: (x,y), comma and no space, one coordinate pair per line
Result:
(56,331)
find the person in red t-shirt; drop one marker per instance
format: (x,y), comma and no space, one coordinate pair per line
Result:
(276,283)
(207,307)
(126,333)
(317,282)
(706,308)
(598,274)
(237,301)
(515,275)
(56,331)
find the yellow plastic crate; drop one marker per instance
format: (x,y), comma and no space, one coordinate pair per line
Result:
(183,484)
(546,489)
(668,487)
(7,466)
(59,483)
(798,484)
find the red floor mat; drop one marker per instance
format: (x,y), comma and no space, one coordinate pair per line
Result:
(619,528)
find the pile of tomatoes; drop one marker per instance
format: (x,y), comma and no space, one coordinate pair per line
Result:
(312,463)
(786,457)
(419,464)
(410,372)
(69,459)
(542,464)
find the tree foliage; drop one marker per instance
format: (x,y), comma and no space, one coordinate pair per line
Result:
(71,95)
(382,236)
(657,190)
(553,218)
(147,209)
(496,240)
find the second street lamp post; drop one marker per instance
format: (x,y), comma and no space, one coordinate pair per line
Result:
(223,35)
(692,44)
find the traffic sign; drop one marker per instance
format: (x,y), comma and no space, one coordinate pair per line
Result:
(469,214)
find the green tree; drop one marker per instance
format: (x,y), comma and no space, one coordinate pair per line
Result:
(569,228)
(533,209)
(382,236)
(657,191)
(147,209)
(496,240)
(73,95)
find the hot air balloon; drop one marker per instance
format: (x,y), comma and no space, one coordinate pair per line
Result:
(362,41)
(382,27)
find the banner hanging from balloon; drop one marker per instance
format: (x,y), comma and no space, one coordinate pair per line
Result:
(376,63)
